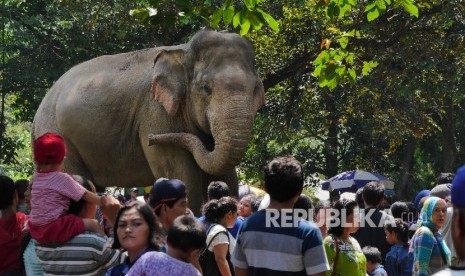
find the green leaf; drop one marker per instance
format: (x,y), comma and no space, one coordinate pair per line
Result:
(256,20)
(237,19)
(333,10)
(250,4)
(370,6)
(368,66)
(317,71)
(410,7)
(270,20)
(381,5)
(341,70)
(228,15)
(372,15)
(343,41)
(215,19)
(333,82)
(321,58)
(245,26)
(353,3)
(352,74)
(139,14)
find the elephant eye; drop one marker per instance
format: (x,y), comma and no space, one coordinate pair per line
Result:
(206,89)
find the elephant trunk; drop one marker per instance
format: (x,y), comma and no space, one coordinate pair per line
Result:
(230,145)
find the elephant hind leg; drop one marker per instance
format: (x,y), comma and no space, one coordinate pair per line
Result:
(75,165)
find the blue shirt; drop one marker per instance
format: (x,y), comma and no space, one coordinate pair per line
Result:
(398,261)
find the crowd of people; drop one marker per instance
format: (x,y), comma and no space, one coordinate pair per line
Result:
(57,224)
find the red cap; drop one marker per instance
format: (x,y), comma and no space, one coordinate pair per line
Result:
(49,148)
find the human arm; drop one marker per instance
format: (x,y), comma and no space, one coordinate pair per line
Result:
(93,198)
(110,209)
(108,257)
(220,251)
(194,259)
(317,253)
(241,271)
(391,266)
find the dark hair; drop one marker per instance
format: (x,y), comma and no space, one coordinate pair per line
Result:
(303,203)
(284,178)
(21,187)
(216,209)
(321,204)
(400,228)
(400,210)
(186,233)
(372,254)
(342,204)
(412,212)
(373,193)
(149,217)
(359,198)
(445,178)
(217,189)
(7,191)
(75,207)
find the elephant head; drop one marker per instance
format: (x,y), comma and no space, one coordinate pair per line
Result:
(212,81)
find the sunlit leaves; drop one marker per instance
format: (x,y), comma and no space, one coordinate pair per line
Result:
(336,65)
(368,66)
(408,6)
(244,17)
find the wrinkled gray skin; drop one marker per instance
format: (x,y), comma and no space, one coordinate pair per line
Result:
(196,102)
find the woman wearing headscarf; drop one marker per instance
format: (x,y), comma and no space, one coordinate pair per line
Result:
(430,252)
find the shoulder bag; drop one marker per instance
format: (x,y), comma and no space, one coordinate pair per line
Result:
(207,258)
(333,273)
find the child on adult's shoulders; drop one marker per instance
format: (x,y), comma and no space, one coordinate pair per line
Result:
(52,192)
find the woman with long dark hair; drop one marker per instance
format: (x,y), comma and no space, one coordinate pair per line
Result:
(137,232)
(343,251)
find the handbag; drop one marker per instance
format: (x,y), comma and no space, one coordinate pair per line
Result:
(207,258)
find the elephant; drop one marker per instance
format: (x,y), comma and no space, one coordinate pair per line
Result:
(183,111)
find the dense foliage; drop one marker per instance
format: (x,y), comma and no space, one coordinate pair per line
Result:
(374,85)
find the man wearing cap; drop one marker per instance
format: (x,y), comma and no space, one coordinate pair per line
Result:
(458,224)
(168,200)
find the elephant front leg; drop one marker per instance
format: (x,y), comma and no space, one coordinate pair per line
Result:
(171,162)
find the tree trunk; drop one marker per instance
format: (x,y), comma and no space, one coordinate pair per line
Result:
(331,142)
(449,149)
(403,188)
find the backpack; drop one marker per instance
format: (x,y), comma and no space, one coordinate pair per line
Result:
(207,258)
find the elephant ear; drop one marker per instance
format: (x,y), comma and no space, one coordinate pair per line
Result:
(169,80)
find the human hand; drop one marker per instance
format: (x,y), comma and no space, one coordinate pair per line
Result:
(110,208)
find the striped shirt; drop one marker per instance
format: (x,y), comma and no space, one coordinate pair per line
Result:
(50,196)
(85,254)
(265,248)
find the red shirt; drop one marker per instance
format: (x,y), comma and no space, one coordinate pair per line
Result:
(11,234)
